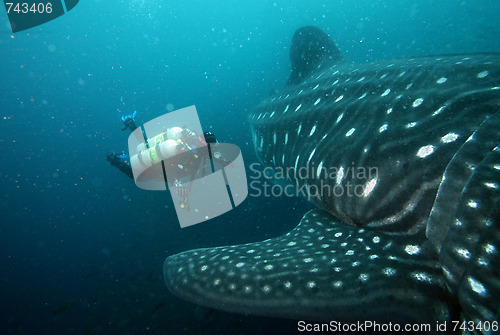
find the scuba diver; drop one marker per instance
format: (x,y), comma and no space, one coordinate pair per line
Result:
(122,161)
(181,150)
(129,121)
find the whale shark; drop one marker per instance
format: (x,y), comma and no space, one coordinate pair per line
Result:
(402,160)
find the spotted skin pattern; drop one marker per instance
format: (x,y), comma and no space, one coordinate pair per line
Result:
(418,242)
(318,270)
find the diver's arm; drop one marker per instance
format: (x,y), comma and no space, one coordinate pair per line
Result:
(121,163)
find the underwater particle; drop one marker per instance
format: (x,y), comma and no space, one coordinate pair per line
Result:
(97,182)
(170,107)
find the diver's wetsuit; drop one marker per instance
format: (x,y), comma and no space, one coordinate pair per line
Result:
(122,162)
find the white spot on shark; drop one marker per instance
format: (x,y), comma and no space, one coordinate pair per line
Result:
(441,80)
(448,138)
(311,284)
(472,204)
(417,102)
(463,252)
(382,128)
(482,74)
(489,248)
(313,129)
(339,118)
(491,185)
(421,276)
(340,176)
(412,249)
(387,91)
(318,171)
(339,98)
(369,187)
(363,277)
(438,111)
(425,151)
(350,132)
(477,286)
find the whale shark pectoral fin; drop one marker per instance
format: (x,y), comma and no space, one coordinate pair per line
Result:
(461,168)
(470,255)
(320,270)
(479,291)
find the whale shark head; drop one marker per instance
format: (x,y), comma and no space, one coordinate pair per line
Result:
(401,158)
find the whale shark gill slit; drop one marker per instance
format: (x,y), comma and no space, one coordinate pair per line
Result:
(402,160)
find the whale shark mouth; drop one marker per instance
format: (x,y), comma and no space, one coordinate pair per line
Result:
(418,242)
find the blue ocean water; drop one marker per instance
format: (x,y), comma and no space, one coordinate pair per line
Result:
(81,246)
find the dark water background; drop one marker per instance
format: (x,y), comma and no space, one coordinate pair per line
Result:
(81,247)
